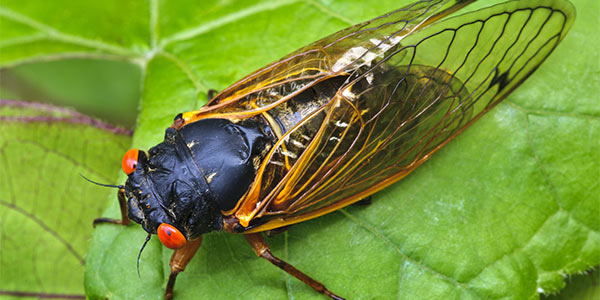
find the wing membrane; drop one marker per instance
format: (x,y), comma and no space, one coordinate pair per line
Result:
(326,58)
(393,112)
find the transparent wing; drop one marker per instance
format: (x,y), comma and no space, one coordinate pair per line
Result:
(394,114)
(320,60)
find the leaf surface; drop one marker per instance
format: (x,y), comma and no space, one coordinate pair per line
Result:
(46,208)
(506,210)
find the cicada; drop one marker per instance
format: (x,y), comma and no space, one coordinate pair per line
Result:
(332,123)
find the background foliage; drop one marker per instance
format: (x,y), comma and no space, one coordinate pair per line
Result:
(507,210)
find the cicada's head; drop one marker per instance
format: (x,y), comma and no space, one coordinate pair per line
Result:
(145,206)
(180,187)
(164,198)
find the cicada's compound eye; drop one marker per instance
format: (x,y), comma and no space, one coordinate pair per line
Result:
(130,160)
(170,236)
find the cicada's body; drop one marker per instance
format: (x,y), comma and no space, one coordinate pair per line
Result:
(335,121)
(333,142)
(355,112)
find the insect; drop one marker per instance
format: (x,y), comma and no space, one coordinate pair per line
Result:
(332,123)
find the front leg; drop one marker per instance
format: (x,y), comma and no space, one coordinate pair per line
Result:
(263,250)
(123,205)
(180,258)
(211,94)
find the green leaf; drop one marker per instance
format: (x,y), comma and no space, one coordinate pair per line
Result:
(46,208)
(506,210)
(584,286)
(104,89)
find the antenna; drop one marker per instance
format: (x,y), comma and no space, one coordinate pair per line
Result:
(102,184)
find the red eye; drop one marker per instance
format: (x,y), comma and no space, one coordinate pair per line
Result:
(129,161)
(170,236)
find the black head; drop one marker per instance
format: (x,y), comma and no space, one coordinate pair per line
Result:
(179,188)
(164,197)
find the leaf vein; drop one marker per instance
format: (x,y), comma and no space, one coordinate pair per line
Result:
(64,37)
(329,12)
(47,228)
(543,112)
(154,28)
(231,18)
(388,241)
(186,70)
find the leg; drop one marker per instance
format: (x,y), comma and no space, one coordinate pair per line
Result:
(262,249)
(180,259)
(363,202)
(123,205)
(211,94)
(276,231)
